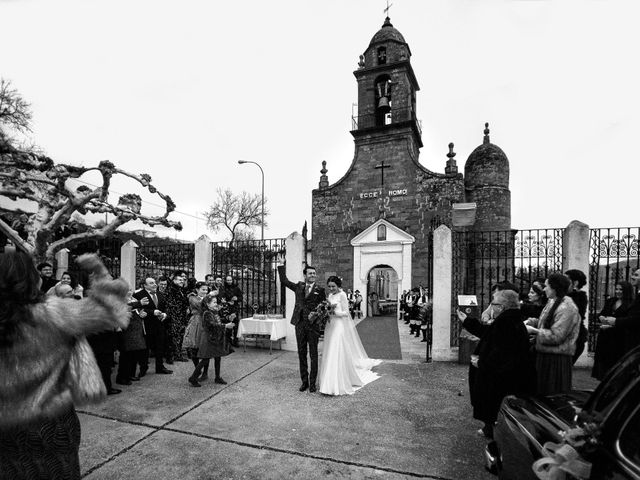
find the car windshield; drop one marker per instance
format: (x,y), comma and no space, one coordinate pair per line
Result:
(616,381)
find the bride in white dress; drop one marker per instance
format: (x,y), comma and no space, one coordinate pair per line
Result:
(345,366)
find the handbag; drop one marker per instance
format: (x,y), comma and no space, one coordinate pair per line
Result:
(83,375)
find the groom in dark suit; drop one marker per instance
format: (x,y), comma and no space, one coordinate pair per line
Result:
(308,296)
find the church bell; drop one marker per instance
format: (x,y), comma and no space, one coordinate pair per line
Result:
(383,105)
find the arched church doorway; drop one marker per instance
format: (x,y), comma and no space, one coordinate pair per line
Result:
(382,291)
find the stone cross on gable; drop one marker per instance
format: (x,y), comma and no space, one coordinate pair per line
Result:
(382,166)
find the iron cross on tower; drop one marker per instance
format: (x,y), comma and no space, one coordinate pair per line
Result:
(382,166)
(386,10)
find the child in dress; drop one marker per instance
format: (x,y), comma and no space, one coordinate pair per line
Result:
(212,340)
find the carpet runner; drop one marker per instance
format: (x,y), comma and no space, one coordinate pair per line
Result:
(380,337)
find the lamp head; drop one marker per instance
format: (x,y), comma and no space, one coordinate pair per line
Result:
(242,161)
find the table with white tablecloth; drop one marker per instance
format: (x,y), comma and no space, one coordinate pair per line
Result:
(275,329)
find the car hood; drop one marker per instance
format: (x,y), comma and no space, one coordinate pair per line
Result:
(545,417)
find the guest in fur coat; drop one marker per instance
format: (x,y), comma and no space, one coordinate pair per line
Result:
(37,336)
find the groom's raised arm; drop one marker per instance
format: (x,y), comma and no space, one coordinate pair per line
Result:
(282,272)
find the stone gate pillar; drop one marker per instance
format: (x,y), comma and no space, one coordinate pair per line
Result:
(62,262)
(128,253)
(575,255)
(441,349)
(202,258)
(296,257)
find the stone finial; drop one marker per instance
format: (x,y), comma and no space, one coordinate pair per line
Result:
(324,180)
(361,62)
(451,167)
(486,133)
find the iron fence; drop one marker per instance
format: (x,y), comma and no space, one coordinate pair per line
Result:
(253,266)
(482,259)
(614,257)
(108,249)
(157,260)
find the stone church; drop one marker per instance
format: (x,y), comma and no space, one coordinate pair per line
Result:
(372,227)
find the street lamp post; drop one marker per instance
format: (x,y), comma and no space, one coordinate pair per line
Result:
(262,172)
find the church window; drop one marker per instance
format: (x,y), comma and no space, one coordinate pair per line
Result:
(382,232)
(382,55)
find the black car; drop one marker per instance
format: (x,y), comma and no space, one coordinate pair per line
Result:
(609,416)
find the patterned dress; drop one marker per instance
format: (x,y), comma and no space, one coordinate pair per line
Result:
(177,312)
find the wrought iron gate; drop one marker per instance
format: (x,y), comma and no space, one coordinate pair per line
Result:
(253,266)
(108,249)
(157,260)
(482,259)
(614,257)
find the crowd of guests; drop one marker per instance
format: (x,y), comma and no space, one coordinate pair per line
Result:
(165,324)
(416,311)
(530,345)
(45,368)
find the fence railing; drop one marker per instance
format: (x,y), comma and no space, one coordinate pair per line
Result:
(253,266)
(157,260)
(482,259)
(108,249)
(613,258)
(396,115)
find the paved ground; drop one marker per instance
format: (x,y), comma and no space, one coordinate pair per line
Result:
(413,422)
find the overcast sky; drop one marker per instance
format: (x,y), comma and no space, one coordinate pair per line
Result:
(183,89)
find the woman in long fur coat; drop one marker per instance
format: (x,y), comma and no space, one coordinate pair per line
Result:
(39,428)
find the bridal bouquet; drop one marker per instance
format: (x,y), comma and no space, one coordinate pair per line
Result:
(320,316)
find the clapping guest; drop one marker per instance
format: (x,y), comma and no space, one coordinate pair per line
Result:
(177,311)
(212,341)
(191,335)
(133,346)
(610,341)
(156,315)
(501,361)
(556,332)
(39,427)
(232,294)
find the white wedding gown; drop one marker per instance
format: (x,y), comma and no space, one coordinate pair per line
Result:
(345,366)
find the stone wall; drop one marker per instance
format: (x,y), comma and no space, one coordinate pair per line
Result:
(412,197)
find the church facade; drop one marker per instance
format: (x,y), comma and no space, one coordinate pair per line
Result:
(372,227)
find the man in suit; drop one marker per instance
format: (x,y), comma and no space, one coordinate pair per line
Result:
(308,296)
(153,322)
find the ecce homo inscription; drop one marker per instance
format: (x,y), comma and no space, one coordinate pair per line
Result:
(391,193)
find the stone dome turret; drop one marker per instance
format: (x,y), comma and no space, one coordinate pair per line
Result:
(386,33)
(486,166)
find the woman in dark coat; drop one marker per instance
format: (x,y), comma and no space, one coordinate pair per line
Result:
(610,342)
(212,340)
(133,346)
(502,361)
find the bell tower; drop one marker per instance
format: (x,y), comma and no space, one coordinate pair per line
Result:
(387,90)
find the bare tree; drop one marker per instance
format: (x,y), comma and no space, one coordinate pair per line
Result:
(235,212)
(55,205)
(15,112)
(39,199)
